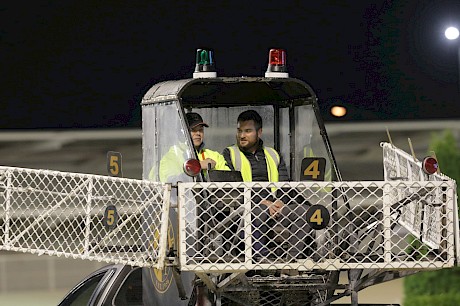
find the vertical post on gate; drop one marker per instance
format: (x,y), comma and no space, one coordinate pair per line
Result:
(247,226)
(452,195)
(387,222)
(88,215)
(9,187)
(163,243)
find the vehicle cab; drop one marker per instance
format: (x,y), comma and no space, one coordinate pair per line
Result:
(291,120)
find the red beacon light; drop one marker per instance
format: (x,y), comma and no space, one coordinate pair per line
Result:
(277,64)
(192,167)
(205,66)
(430,165)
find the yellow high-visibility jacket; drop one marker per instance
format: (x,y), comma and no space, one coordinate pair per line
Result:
(241,163)
(172,163)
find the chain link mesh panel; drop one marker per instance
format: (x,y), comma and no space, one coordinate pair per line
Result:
(92,217)
(271,290)
(340,225)
(269,298)
(417,218)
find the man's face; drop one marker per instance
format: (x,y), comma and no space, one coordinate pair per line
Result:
(197,134)
(247,136)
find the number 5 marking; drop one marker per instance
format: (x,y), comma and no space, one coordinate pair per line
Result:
(110,217)
(114,164)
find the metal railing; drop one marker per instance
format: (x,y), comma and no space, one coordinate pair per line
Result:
(92,217)
(328,226)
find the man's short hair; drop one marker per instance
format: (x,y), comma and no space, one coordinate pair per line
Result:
(251,115)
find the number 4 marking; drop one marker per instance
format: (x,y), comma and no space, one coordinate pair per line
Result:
(313,169)
(316,217)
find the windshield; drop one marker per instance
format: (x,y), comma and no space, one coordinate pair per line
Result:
(165,143)
(222,125)
(308,140)
(303,136)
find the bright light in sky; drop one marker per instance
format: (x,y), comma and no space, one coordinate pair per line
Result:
(451,33)
(338,111)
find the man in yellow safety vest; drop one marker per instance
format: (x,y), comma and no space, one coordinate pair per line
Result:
(261,163)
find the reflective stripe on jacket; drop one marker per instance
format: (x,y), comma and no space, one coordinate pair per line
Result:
(216,156)
(172,163)
(241,163)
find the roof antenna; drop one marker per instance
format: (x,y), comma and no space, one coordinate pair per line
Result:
(433,153)
(389,136)
(411,149)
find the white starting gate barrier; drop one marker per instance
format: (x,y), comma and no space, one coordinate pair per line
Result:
(92,217)
(421,218)
(223,229)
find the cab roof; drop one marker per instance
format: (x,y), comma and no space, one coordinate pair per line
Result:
(232,91)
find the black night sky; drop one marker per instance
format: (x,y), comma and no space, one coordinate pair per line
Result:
(87,65)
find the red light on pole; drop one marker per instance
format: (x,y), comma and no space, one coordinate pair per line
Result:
(429,165)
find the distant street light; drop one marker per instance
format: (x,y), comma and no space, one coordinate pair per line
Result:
(452,33)
(338,111)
